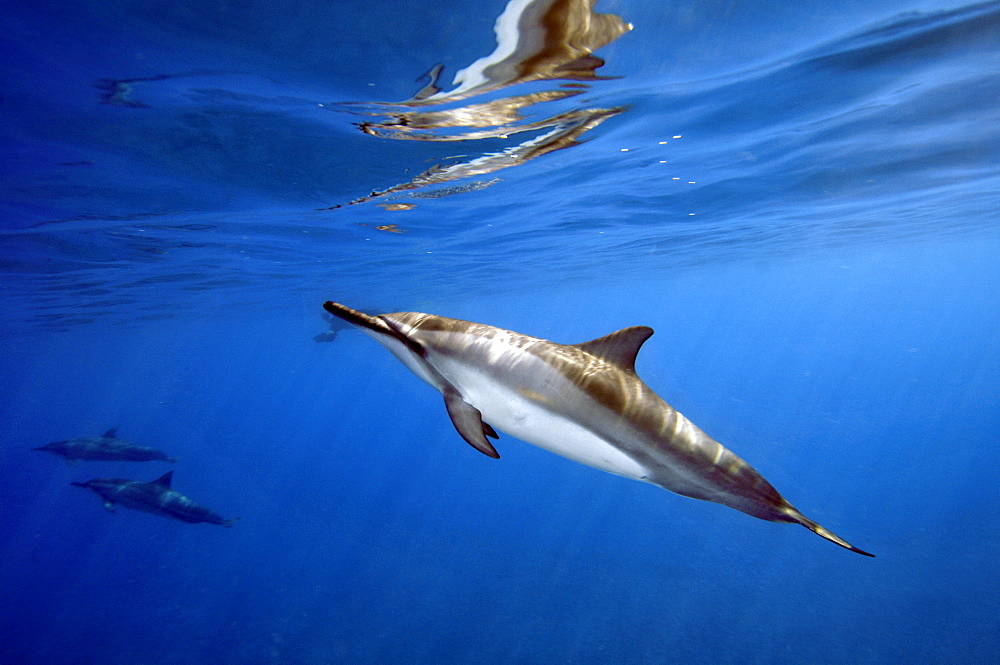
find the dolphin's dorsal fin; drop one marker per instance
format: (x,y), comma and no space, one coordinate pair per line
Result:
(111,433)
(619,348)
(164,480)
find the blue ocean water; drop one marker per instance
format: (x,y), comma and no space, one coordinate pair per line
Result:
(800,198)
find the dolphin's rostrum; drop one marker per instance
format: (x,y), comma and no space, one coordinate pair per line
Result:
(155,497)
(582,401)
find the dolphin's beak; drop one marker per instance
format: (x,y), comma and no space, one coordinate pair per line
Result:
(373,323)
(83,485)
(357,318)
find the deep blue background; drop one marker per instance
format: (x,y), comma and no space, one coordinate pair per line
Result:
(823,295)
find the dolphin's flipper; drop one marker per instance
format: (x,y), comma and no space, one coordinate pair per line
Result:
(111,433)
(110,507)
(469,423)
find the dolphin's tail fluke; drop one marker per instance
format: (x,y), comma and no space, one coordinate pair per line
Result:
(829,535)
(229,523)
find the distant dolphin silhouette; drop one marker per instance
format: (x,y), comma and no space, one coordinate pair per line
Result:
(108,448)
(154,497)
(582,401)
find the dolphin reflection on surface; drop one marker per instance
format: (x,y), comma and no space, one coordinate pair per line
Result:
(537,40)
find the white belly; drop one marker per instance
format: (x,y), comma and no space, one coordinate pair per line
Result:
(525,418)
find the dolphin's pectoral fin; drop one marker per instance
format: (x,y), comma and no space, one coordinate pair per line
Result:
(110,507)
(469,422)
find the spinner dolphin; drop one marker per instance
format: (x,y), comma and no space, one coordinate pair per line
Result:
(107,448)
(155,497)
(582,401)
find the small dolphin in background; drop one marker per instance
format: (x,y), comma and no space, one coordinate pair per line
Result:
(107,448)
(155,497)
(582,401)
(335,325)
